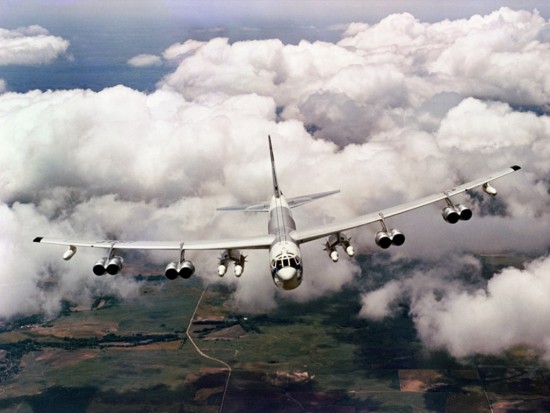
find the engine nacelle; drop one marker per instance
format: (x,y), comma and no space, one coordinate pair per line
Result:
(350,250)
(383,239)
(239,270)
(99,267)
(397,237)
(450,215)
(334,255)
(115,265)
(186,269)
(464,212)
(171,271)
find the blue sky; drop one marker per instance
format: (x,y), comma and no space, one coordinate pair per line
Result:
(103,34)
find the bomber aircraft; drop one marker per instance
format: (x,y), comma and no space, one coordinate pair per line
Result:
(283,238)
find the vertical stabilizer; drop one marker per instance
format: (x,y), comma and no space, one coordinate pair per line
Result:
(276,191)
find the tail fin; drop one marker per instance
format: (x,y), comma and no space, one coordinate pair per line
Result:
(276,190)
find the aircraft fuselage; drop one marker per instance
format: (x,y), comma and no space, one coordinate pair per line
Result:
(284,254)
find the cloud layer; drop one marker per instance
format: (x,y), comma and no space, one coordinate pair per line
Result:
(145,60)
(393,111)
(31,45)
(466,318)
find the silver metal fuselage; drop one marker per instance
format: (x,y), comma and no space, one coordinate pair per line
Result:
(284,254)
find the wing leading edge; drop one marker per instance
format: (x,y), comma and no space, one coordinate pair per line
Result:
(321,231)
(260,242)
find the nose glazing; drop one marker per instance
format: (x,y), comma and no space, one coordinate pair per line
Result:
(286,273)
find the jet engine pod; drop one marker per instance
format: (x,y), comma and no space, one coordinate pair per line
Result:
(115,265)
(99,266)
(397,237)
(464,212)
(171,271)
(450,215)
(186,269)
(383,239)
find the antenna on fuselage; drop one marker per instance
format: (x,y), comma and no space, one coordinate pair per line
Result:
(276,191)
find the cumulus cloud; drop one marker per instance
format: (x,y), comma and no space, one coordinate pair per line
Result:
(387,115)
(31,45)
(377,77)
(145,60)
(511,310)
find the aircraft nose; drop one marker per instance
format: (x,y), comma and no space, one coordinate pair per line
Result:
(286,273)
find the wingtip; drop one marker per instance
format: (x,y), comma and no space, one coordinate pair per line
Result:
(516,167)
(38,239)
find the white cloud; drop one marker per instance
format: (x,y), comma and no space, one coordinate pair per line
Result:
(180,51)
(378,75)
(31,45)
(145,60)
(392,117)
(511,310)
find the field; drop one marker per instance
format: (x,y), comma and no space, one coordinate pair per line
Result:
(134,356)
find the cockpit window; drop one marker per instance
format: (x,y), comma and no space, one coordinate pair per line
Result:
(286,261)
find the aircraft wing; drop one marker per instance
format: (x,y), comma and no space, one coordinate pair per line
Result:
(321,231)
(260,242)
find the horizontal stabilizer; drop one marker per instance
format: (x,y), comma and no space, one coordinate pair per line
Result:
(304,199)
(255,207)
(264,206)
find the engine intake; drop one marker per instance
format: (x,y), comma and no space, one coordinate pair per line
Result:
(186,269)
(450,215)
(464,212)
(171,271)
(457,213)
(385,239)
(99,267)
(397,237)
(115,265)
